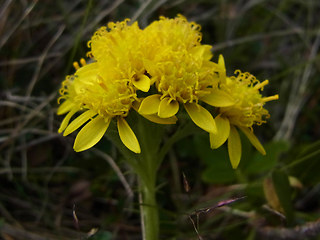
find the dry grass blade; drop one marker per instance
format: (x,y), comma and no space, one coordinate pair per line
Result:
(22,61)
(298,95)
(6,37)
(41,60)
(117,170)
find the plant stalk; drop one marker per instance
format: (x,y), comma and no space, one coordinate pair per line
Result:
(149,212)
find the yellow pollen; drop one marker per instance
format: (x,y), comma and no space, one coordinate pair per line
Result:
(261,85)
(76,65)
(270,98)
(83,62)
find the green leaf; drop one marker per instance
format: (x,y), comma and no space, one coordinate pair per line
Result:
(218,169)
(282,187)
(2,222)
(302,161)
(261,163)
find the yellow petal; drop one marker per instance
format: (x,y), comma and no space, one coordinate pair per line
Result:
(78,122)
(234,147)
(201,117)
(142,82)
(127,136)
(222,68)
(253,139)
(91,133)
(168,108)
(202,51)
(65,107)
(156,119)
(218,98)
(66,120)
(221,62)
(219,138)
(150,105)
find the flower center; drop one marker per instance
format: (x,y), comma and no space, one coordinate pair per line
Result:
(248,110)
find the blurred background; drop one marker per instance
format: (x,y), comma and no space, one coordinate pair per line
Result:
(47,191)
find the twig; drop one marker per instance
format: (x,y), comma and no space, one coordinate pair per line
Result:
(195,227)
(306,231)
(117,170)
(14,28)
(231,43)
(41,60)
(40,170)
(207,210)
(102,15)
(140,10)
(18,129)
(298,96)
(27,60)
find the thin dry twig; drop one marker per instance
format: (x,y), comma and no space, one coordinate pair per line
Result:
(306,231)
(298,96)
(41,60)
(27,60)
(207,210)
(140,10)
(117,170)
(40,170)
(234,42)
(14,28)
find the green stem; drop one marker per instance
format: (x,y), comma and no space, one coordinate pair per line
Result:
(149,212)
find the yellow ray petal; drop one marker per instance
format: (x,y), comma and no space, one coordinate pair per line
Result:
(91,133)
(78,122)
(234,147)
(150,105)
(253,139)
(66,120)
(218,98)
(127,136)
(168,108)
(142,82)
(201,117)
(65,107)
(219,138)
(222,67)
(202,51)
(156,119)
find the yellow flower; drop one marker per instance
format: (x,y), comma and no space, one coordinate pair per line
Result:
(247,111)
(106,88)
(119,49)
(182,72)
(100,100)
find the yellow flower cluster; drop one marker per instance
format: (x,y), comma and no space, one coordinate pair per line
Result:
(167,59)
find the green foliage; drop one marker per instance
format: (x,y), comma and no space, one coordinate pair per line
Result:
(101,235)
(218,169)
(283,191)
(262,164)
(305,157)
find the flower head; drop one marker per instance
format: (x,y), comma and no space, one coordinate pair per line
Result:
(169,57)
(182,71)
(118,48)
(106,88)
(248,110)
